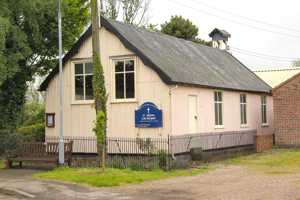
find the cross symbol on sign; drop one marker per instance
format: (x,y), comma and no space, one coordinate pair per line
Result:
(148,109)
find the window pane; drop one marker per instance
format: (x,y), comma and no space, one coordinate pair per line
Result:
(216,96)
(263,100)
(220,94)
(78,87)
(216,114)
(241,107)
(129,65)
(119,84)
(264,115)
(89,87)
(88,68)
(129,85)
(220,114)
(119,66)
(78,68)
(243,98)
(245,115)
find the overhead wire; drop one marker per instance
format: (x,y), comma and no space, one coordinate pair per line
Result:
(245,17)
(236,22)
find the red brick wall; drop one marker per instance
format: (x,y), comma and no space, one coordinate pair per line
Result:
(263,142)
(287,113)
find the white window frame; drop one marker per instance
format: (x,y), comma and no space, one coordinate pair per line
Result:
(245,122)
(74,101)
(264,107)
(113,78)
(219,126)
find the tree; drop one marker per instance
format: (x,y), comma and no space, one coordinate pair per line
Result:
(182,28)
(28,46)
(99,89)
(129,11)
(296,63)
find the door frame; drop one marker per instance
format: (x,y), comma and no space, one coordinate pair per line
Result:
(197,112)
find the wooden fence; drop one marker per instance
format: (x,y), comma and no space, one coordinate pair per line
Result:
(81,144)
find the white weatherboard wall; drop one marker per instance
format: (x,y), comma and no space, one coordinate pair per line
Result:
(79,117)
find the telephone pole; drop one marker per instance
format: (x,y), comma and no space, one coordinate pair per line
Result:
(96,24)
(61,92)
(100,99)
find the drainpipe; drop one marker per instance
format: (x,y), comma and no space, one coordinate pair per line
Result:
(170,111)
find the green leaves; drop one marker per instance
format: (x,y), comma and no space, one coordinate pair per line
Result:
(182,28)
(100,102)
(29,46)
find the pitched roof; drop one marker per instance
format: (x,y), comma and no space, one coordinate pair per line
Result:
(286,82)
(178,61)
(276,76)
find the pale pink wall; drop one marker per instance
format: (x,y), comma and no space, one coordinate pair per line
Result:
(231,111)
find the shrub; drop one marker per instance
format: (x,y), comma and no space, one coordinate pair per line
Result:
(163,159)
(32,126)
(145,145)
(33,133)
(10,143)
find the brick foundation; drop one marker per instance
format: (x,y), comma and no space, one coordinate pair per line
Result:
(264,142)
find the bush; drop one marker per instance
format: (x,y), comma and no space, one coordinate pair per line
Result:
(32,126)
(33,133)
(10,143)
(163,159)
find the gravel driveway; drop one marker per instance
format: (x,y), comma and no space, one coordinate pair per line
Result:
(226,182)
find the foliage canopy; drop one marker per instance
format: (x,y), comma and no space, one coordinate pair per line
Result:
(182,28)
(28,46)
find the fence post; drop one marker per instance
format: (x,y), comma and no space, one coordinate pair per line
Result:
(168,161)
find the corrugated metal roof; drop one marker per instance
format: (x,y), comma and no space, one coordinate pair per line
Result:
(275,77)
(179,61)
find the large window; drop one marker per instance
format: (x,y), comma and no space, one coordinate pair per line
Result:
(264,119)
(124,79)
(83,81)
(218,97)
(243,107)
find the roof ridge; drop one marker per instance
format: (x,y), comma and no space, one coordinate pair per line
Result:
(164,34)
(278,69)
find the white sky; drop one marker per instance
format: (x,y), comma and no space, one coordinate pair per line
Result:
(282,13)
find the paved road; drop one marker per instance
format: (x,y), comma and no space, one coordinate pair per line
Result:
(227,182)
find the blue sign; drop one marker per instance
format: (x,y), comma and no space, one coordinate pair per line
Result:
(148,116)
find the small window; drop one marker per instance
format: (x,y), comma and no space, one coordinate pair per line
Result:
(124,79)
(243,108)
(218,97)
(84,81)
(50,120)
(264,119)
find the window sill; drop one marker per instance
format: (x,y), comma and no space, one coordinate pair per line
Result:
(84,102)
(265,125)
(219,126)
(115,101)
(244,126)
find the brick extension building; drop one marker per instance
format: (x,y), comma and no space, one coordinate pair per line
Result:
(286,98)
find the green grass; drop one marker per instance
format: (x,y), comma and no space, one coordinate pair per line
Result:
(114,177)
(1,164)
(273,162)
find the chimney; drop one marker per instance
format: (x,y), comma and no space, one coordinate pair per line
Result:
(220,39)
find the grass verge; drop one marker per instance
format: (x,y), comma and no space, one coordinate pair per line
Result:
(273,162)
(114,177)
(2,165)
